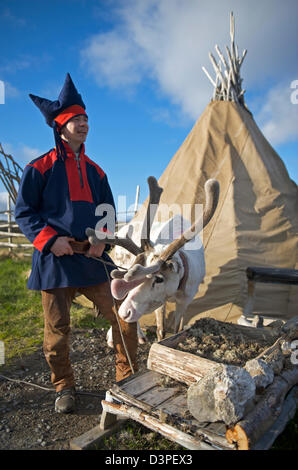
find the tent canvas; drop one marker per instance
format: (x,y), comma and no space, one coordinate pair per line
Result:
(256,221)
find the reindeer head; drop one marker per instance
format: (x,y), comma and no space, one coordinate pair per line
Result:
(156,272)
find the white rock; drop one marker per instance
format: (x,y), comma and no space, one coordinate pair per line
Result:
(223,395)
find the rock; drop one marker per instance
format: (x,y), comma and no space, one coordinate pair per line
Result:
(223,395)
(261,372)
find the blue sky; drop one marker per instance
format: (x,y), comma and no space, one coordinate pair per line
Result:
(137,64)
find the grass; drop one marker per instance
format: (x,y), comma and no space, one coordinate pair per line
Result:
(136,437)
(21,317)
(21,329)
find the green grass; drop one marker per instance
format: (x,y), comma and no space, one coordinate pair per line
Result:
(136,437)
(21,317)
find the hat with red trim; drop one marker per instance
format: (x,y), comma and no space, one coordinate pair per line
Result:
(57,113)
(68,104)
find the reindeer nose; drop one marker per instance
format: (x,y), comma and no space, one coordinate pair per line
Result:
(128,313)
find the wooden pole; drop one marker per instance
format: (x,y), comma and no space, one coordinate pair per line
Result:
(9,223)
(137,199)
(155,425)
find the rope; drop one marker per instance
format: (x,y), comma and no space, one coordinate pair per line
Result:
(18,381)
(117,316)
(108,263)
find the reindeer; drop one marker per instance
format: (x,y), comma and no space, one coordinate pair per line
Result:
(160,271)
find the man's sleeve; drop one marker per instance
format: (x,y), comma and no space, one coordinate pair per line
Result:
(27,210)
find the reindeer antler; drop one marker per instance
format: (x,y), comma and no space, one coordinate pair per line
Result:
(126,242)
(155,192)
(212,195)
(137,271)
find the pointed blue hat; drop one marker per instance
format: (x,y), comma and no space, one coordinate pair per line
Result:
(68,104)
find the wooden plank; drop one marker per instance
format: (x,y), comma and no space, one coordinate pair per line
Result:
(272,275)
(91,439)
(16,245)
(172,341)
(139,383)
(169,432)
(158,395)
(12,234)
(175,405)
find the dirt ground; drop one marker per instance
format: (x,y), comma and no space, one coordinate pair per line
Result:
(27,416)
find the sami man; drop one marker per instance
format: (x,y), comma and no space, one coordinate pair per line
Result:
(57,200)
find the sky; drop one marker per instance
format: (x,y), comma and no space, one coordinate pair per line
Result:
(138,65)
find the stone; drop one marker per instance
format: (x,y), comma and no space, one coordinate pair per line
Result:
(223,395)
(260,371)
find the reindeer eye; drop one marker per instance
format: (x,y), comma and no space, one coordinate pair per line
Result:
(158,279)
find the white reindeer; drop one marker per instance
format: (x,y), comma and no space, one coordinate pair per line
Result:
(162,270)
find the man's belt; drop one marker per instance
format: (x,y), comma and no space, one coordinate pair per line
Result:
(80,247)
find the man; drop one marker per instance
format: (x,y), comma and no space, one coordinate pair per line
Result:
(57,200)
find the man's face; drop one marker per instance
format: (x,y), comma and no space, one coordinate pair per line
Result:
(76,130)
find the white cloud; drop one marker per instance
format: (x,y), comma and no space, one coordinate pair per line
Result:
(7,16)
(21,153)
(278,117)
(10,90)
(167,42)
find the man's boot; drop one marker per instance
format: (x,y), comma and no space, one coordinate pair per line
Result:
(65,401)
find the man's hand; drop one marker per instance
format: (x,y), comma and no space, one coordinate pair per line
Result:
(62,247)
(96,250)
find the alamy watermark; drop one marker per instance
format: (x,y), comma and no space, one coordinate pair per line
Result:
(294,354)
(2,353)
(294,94)
(2,92)
(171,221)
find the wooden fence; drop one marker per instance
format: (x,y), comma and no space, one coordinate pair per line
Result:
(12,239)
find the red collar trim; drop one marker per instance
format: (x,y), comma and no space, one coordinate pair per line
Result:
(70,152)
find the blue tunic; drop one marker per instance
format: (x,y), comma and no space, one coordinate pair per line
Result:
(54,200)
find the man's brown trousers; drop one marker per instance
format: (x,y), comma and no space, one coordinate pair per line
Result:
(56,305)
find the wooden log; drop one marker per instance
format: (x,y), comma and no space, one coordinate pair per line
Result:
(189,368)
(16,245)
(247,431)
(273,275)
(208,76)
(288,413)
(12,234)
(179,365)
(221,56)
(217,70)
(242,58)
(155,425)
(92,438)
(290,328)
(126,397)
(273,356)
